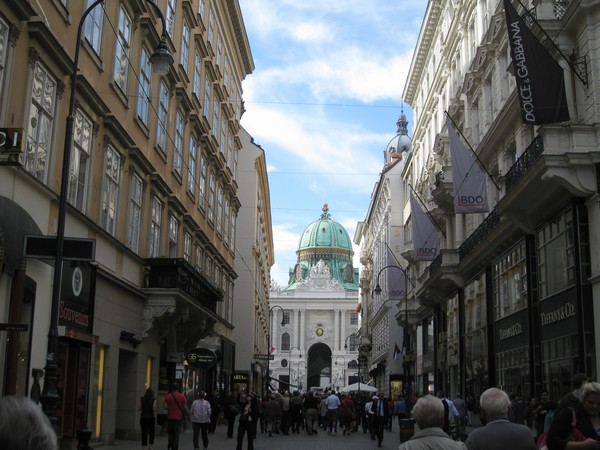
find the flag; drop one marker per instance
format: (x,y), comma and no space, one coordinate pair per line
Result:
(470,181)
(358,308)
(540,79)
(396,279)
(397,352)
(424,233)
(272,350)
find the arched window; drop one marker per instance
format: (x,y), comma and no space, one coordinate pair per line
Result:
(285,342)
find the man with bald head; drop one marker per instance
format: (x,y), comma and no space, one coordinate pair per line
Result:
(498,433)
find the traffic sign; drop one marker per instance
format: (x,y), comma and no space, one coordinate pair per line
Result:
(263,356)
(74,249)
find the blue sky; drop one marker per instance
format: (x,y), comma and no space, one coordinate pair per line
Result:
(323,102)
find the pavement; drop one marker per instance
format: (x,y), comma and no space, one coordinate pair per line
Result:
(301,441)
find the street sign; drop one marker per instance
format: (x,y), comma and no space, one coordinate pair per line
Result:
(14,327)
(74,249)
(11,143)
(263,356)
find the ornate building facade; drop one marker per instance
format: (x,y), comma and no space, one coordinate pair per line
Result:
(314,321)
(511,298)
(152,181)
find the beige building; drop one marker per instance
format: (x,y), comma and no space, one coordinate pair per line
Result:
(152,180)
(254,258)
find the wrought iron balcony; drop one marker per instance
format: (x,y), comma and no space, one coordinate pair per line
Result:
(524,163)
(480,234)
(177,273)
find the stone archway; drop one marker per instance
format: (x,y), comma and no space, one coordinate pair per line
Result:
(319,366)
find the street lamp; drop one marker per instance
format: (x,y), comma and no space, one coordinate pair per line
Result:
(406,343)
(346,342)
(290,364)
(268,382)
(161,60)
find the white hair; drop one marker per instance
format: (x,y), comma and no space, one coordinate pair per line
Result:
(23,426)
(429,412)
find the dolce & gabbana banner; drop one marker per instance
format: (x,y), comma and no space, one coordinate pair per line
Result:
(540,79)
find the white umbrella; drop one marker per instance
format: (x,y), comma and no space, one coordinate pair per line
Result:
(359,387)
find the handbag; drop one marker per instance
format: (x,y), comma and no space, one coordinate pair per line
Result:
(574,435)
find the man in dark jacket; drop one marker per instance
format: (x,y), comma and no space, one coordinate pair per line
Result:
(498,433)
(379,409)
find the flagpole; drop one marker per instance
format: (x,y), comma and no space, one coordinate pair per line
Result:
(573,68)
(472,151)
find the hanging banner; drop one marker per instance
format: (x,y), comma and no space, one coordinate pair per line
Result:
(426,239)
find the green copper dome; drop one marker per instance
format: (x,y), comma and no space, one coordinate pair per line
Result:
(324,255)
(325,233)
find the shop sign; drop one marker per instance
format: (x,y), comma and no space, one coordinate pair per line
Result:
(241,377)
(201,358)
(558,315)
(512,331)
(76,306)
(11,141)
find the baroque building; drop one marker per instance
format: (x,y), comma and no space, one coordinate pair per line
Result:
(152,182)
(314,321)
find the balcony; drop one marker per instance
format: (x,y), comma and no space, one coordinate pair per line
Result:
(480,235)
(443,192)
(524,163)
(178,274)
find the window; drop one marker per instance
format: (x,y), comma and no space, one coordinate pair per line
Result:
(215,119)
(163,111)
(226,69)
(229,150)
(187,246)
(211,28)
(226,213)
(211,198)
(207,91)
(285,342)
(40,123)
(155,224)
(136,192)
(235,163)
(197,74)
(185,46)
(286,318)
(353,318)
(173,232)
(143,101)
(220,210)
(199,257)
(178,153)
(510,282)
(122,51)
(353,343)
(191,181)
(232,237)
(208,268)
(202,183)
(93,26)
(223,141)
(170,17)
(556,255)
(202,8)
(110,190)
(80,158)
(219,54)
